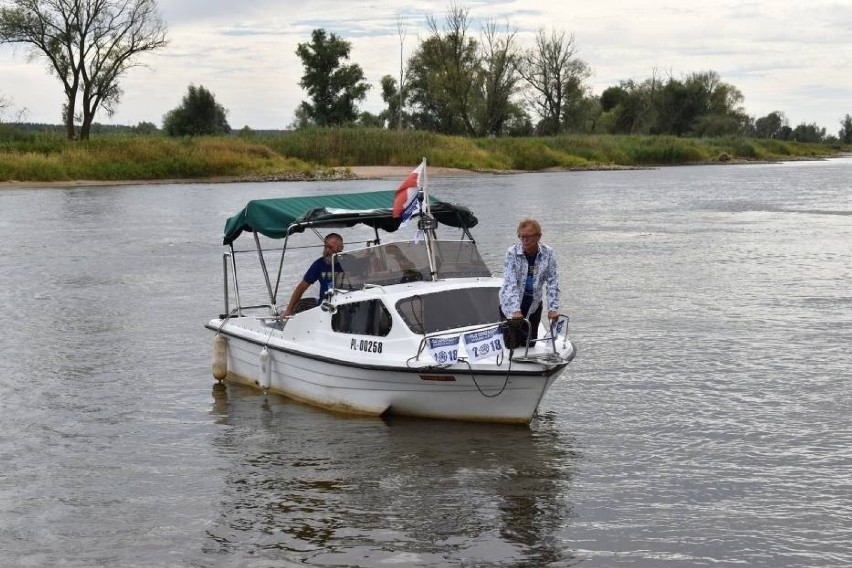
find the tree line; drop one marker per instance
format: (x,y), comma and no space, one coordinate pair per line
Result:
(456,82)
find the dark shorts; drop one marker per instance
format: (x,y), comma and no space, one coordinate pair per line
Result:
(515,334)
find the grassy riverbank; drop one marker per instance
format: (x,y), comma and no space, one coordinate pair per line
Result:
(328,153)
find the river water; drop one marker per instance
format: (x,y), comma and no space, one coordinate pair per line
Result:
(705,421)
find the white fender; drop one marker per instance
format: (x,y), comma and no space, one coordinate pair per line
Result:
(220,357)
(265,361)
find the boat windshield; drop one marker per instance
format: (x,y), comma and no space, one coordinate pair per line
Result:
(450,309)
(394,263)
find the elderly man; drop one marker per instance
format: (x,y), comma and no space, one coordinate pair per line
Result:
(529,266)
(320,271)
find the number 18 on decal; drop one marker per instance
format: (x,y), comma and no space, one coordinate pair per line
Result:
(483,344)
(445,350)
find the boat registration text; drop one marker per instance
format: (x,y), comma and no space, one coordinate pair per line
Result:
(366,345)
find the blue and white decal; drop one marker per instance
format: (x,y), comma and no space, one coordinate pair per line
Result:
(445,350)
(483,344)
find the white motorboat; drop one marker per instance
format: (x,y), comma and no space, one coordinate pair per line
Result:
(410,328)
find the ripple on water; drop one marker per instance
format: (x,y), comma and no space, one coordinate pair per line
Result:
(705,420)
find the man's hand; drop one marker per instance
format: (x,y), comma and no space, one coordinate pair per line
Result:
(552,316)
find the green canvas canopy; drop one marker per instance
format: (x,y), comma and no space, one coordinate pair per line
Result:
(282,216)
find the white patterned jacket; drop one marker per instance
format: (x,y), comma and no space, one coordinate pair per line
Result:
(515,274)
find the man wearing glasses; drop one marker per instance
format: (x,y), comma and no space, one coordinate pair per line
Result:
(529,266)
(320,271)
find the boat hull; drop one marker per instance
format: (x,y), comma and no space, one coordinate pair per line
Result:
(471,393)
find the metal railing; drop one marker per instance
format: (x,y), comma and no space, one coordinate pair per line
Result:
(558,328)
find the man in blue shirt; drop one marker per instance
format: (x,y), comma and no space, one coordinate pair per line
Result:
(319,271)
(530,265)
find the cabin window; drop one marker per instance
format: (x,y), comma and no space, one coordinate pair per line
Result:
(362,318)
(450,309)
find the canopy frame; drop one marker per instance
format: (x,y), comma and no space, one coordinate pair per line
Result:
(280,218)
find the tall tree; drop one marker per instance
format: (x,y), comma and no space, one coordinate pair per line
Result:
(611,97)
(88,45)
(678,105)
(634,111)
(392,116)
(429,105)
(197,115)
(845,133)
(769,126)
(699,105)
(808,133)
(334,88)
(500,60)
(581,113)
(554,76)
(445,77)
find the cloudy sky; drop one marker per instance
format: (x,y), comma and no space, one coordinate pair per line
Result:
(784,55)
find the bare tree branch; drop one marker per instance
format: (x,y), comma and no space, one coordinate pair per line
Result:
(88,45)
(553,75)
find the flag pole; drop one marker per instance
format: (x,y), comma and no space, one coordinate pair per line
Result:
(427,223)
(426,209)
(407,205)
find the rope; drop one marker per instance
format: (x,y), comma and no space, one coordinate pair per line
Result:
(505,381)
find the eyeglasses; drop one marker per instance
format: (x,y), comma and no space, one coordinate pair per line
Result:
(529,237)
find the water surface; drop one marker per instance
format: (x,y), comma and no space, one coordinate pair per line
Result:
(705,420)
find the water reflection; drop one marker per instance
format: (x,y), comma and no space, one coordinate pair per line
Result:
(324,489)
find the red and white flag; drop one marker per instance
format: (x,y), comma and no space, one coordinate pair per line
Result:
(405,200)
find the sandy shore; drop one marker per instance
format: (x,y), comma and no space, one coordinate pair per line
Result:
(362,172)
(356,172)
(384,172)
